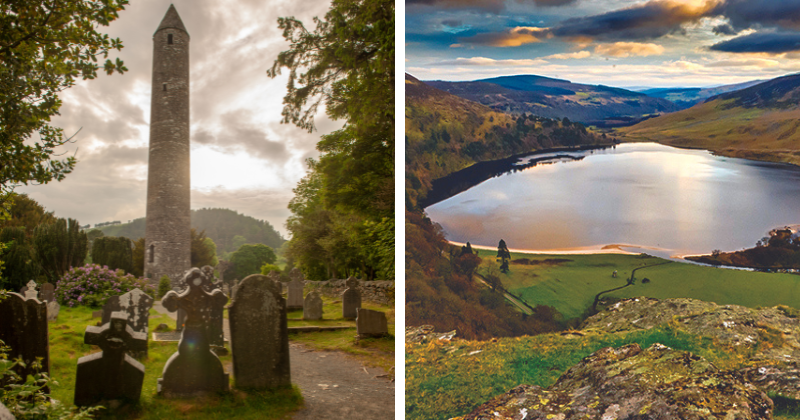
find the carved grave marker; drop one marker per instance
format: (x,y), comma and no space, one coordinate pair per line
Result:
(259,334)
(351,299)
(24,330)
(193,370)
(111,375)
(312,306)
(294,295)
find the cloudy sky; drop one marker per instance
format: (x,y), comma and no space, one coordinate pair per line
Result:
(242,157)
(626,43)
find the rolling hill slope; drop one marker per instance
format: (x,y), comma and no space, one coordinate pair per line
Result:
(688,97)
(446,133)
(555,98)
(760,122)
(221,225)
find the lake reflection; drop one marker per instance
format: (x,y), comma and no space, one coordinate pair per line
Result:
(644,194)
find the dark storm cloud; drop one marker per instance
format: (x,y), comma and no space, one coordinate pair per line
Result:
(495,6)
(552,3)
(774,43)
(743,14)
(725,29)
(650,20)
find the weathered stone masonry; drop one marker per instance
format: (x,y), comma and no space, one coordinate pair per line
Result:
(168,230)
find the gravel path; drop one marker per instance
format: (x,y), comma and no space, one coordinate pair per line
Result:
(334,385)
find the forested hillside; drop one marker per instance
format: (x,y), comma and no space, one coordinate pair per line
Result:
(221,225)
(445,133)
(598,105)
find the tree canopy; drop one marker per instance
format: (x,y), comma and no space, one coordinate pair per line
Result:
(248,260)
(45,46)
(343,210)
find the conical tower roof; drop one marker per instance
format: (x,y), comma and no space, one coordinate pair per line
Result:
(172,20)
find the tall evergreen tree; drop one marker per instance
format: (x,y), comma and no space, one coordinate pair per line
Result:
(59,246)
(116,252)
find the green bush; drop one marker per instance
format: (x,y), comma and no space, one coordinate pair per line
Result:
(248,260)
(164,286)
(267,268)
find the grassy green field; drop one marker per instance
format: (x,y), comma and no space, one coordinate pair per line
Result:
(377,352)
(66,347)
(570,282)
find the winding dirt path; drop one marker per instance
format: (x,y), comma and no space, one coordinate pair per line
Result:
(334,385)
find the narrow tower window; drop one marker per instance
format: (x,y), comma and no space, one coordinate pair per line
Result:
(165,87)
(151,257)
(169,39)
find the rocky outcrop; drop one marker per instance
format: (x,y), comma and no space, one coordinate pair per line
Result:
(631,383)
(771,334)
(729,325)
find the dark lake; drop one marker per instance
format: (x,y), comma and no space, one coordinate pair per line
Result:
(669,201)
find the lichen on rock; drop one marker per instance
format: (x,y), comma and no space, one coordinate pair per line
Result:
(630,383)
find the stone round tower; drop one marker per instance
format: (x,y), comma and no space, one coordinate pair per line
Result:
(168,228)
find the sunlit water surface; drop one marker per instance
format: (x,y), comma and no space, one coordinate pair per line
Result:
(670,200)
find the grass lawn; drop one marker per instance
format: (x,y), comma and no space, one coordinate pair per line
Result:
(377,352)
(66,346)
(570,282)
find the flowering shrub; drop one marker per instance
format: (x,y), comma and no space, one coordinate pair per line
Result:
(92,284)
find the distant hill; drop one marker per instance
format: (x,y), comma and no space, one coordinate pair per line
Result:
(221,225)
(688,97)
(598,105)
(446,133)
(758,122)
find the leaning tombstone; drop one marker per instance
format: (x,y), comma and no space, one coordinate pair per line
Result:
(371,323)
(111,375)
(193,370)
(136,305)
(351,299)
(312,306)
(47,293)
(52,310)
(294,295)
(30,290)
(24,330)
(259,335)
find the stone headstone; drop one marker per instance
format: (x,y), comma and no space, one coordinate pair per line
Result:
(97,314)
(259,334)
(30,290)
(193,370)
(294,296)
(24,330)
(136,304)
(52,310)
(112,374)
(351,299)
(47,293)
(216,335)
(371,323)
(312,306)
